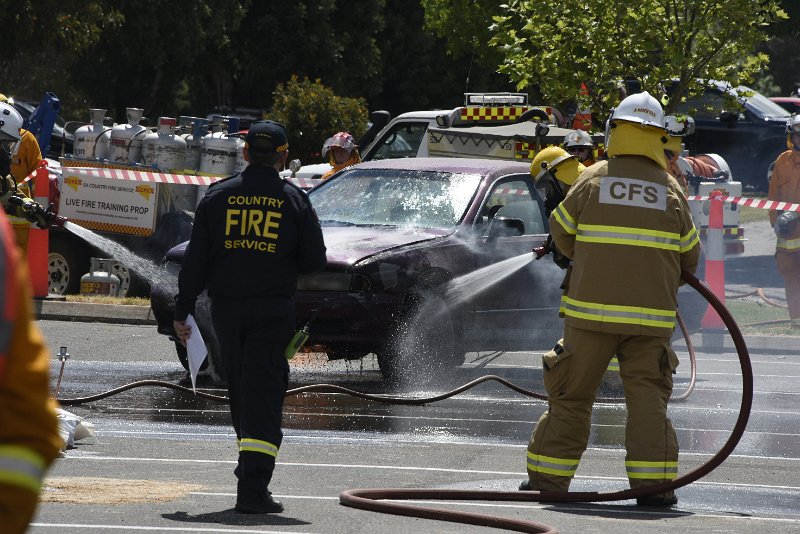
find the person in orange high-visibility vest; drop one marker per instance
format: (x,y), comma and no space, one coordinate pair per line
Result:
(784,186)
(23,158)
(29,437)
(341,151)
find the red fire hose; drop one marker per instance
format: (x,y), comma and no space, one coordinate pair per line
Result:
(372,499)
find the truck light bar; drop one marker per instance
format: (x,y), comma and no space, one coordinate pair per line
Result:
(495,99)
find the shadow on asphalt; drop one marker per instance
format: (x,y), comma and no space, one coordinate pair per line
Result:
(612,511)
(755,271)
(232,517)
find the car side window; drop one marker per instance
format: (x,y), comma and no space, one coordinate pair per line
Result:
(515,199)
(402,141)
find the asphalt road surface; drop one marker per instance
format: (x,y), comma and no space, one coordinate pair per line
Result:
(162,461)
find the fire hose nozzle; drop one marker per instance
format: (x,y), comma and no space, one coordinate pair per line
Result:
(59,221)
(541,252)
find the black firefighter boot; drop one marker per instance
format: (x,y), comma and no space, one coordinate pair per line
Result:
(258,503)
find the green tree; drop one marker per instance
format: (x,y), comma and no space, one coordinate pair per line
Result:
(41,39)
(465,25)
(783,48)
(312,112)
(151,62)
(556,45)
(419,69)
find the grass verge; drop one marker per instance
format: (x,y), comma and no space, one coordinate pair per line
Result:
(98,299)
(756,317)
(749,215)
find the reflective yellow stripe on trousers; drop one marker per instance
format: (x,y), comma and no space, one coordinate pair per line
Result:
(615,313)
(256,445)
(552,466)
(652,470)
(20,466)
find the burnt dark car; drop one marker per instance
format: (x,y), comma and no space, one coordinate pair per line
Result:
(428,258)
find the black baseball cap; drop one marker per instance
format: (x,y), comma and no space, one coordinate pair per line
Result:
(267,136)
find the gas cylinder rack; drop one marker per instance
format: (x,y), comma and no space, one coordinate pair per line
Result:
(147,203)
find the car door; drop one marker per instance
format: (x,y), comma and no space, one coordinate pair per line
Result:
(518,309)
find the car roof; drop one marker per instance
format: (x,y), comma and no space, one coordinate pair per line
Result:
(453,165)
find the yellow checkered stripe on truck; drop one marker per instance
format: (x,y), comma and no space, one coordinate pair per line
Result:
(116,228)
(476,113)
(523,150)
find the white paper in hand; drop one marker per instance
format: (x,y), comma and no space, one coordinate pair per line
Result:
(196,349)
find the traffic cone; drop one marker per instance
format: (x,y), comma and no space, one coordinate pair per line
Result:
(715,261)
(38,240)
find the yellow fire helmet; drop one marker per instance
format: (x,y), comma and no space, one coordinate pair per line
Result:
(558,162)
(637,128)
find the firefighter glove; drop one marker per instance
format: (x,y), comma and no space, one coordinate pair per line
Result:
(786,224)
(558,258)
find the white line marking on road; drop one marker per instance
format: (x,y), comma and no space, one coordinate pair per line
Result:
(96,527)
(406,468)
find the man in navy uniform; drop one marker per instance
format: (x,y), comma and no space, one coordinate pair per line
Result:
(253,233)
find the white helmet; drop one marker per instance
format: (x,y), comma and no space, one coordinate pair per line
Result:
(10,123)
(793,124)
(578,138)
(641,108)
(679,126)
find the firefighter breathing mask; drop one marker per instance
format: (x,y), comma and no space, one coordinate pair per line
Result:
(554,171)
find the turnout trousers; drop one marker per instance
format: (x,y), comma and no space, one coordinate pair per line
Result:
(571,378)
(253,334)
(789,267)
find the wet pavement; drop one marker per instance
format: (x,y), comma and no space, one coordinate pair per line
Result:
(473,441)
(184,445)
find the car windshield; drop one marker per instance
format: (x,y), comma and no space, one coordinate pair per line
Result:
(760,104)
(394,197)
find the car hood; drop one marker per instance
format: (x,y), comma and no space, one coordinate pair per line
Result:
(348,245)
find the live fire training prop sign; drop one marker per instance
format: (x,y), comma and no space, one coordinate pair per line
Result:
(119,206)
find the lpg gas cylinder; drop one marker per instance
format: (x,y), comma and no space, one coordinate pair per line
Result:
(163,149)
(233,130)
(92,141)
(218,155)
(99,280)
(126,139)
(194,143)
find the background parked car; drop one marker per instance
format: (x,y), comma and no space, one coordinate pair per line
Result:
(789,103)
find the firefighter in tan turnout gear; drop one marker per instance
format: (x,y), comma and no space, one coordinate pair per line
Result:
(29,438)
(629,232)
